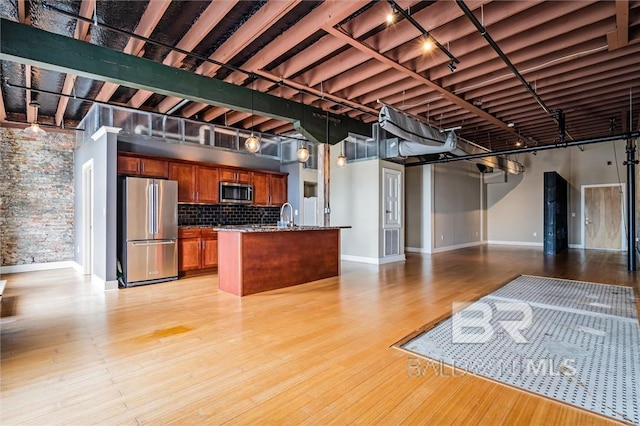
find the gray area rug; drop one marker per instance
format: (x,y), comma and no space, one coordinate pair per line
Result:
(572,341)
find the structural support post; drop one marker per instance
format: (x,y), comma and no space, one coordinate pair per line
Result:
(323,209)
(631,204)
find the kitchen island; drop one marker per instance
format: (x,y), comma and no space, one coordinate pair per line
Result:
(253,259)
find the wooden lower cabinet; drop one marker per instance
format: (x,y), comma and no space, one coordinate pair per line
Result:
(197,250)
(209,254)
(188,254)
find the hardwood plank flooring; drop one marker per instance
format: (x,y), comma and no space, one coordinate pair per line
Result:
(319,353)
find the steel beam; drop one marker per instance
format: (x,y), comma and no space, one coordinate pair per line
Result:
(31,46)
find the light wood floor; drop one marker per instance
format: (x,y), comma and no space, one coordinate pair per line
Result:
(319,353)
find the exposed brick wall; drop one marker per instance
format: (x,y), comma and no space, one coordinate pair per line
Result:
(36,197)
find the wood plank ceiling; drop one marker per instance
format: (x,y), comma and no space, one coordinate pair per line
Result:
(582,57)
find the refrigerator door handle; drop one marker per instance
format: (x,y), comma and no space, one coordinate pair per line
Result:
(151,208)
(156,207)
(152,243)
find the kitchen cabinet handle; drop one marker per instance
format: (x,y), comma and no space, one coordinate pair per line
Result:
(142,166)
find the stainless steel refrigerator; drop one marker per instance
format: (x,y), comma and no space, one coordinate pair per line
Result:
(150,231)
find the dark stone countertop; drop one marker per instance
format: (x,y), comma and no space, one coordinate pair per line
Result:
(273,228)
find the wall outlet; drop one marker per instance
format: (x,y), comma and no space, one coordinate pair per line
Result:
(573,214)
(441,237)
(295,212)
(535,234)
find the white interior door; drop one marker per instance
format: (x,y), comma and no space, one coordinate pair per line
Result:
(391,197)
(392,204)
(87,209)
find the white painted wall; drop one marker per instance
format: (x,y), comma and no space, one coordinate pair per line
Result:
(445,207)
(457,206)
(356,200)
(515,209)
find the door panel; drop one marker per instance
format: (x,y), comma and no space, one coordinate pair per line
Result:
(278,190)
(391,197)
(260,189)
(209,252)
(189,254)
(151,260)
(139,198)
(186,177)
(167,213)
(603,217)
(208,187)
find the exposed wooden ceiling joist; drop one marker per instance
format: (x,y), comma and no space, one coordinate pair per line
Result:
(254,27)
(329,12)
(620,36)
(213,14)
(152,14)
(445,93)
(28,45)
(87,8)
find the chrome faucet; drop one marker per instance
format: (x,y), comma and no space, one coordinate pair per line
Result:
(290,221)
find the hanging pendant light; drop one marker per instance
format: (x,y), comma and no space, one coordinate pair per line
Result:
(34,129)
(342,160)
(302,153)
(252,143)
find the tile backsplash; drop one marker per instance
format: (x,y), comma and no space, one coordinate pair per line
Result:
(217,214)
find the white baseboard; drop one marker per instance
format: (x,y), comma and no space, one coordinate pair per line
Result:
(373,260)
(32,267)
(417,250)
(102,284)
(516,243)
(576,246)
(458,246)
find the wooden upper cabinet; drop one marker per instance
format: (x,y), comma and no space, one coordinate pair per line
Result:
(154,168)
(260,189)
(128,165)
(278,189)
(207,184)
(147,167)
(233,175)
(185,174)
(269,189)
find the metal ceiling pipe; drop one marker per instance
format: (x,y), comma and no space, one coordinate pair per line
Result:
(623,136)
(484,33)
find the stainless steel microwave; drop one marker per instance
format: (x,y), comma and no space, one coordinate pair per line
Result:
(236,193)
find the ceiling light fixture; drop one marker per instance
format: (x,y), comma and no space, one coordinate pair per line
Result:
(302,153)
(34,129)
(425,33)
(427,45)
(342,160)
(390,18)
(252,143)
